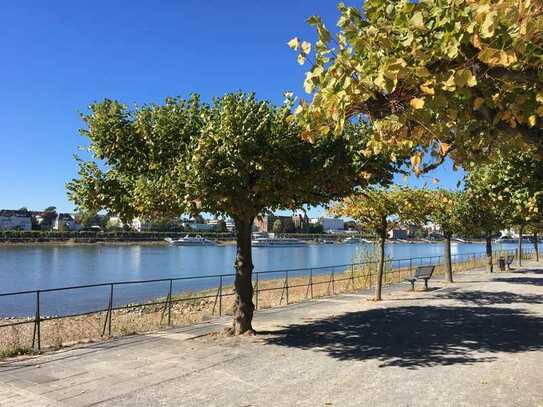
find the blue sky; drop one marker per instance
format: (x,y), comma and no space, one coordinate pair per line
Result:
(60,56)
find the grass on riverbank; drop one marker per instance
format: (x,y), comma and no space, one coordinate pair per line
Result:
(191,308)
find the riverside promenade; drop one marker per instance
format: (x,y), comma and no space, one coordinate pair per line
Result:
(476,342)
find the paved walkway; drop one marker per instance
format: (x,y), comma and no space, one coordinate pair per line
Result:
(477,342)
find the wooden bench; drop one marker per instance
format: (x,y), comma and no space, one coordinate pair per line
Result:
(422,273)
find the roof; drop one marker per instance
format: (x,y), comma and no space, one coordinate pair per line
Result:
(15,212)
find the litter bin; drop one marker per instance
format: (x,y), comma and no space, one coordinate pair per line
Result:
(501,263)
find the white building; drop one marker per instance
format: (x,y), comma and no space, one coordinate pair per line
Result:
(432,228)
(67,220)
(140,225)
(329,224)
(15,220)
(199,227)
(230,226)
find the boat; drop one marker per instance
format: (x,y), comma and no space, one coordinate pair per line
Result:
(190,241)
(273,242)
(355,240)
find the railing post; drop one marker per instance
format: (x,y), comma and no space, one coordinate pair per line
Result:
(286,283)
(311,281)
(37,323)
(220,296)
(333,282)
(110,309)
(107,321)
(170,303)
(352,276)
(256,291)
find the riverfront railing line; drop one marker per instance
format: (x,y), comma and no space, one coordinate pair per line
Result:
(288,280)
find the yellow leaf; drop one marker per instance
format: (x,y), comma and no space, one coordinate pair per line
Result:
(301,59)
(443,149)
(415,160)
(435,181)
(306,47)
(489,56)
(294,43)
(487,28)
(539,111)
(464,77)
(417,103)
(507,58)
(450,84)
(417,20)
(308,85)
(478,102)
(532,120)
(427,88)
(476,41)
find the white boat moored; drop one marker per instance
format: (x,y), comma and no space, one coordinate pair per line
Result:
(190,241)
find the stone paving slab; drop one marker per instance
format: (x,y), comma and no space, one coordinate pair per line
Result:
(477,342)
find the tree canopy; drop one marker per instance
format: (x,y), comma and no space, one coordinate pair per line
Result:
(380,210)
(237,157)
(463,78)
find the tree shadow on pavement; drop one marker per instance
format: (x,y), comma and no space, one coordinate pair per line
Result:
(418,336)
(491,297)
(527,271)
(521,280)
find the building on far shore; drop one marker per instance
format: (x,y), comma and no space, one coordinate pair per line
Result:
(265,223)
(65,221)
(199,227)
(230,226)
(15,219)
(329,225)
(140,225)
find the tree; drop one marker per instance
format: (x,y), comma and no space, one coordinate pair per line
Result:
(444,210)
(516,183)
(277,226)
(237,157)
(380,210)
(459,77)
(479,213)
(48,217)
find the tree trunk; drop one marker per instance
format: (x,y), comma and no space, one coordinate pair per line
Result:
(448,260)
(380,273)
(243,284)
(520,231)
(536,248)
(490,266)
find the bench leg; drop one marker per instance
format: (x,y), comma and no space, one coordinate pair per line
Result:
(412,285)
(425,283)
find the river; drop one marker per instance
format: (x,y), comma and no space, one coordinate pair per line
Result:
(50,266)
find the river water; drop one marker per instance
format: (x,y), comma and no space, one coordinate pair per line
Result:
(42,267)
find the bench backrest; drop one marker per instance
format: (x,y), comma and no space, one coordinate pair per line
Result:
(424,271)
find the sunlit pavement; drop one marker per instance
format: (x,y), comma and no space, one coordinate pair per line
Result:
(477,342)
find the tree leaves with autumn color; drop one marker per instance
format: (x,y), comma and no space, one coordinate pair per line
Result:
(463,78)
(381,210)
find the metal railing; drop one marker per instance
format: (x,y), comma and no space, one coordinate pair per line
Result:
(288,280)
